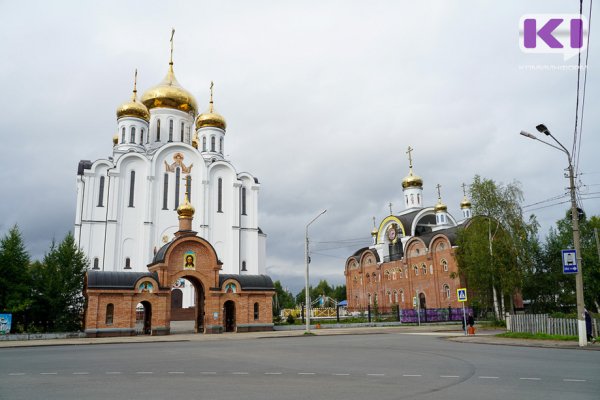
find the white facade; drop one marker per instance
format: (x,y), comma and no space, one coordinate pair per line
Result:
(126,204)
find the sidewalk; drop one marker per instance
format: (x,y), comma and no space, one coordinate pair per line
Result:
(451,333)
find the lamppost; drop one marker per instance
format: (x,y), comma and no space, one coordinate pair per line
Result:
(575,225)
(307,261)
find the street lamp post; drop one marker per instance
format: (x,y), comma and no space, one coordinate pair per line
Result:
(575,225)
(307,261)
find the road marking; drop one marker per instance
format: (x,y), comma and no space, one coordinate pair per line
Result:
(176,372)
(306,373)
(16,373)
(48,373)
(412,375)
(81,373)
(239,373)
(530,379)
(449,376)
(208,373)
(144,372)
(112,373)
(488,377)
(574,380)
(375,374)
(341,374)
(272,373)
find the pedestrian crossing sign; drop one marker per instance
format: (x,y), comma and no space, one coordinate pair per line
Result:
(461,294)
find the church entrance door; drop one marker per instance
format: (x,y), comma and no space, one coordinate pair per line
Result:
(187,306)
(143,318)
(229,309)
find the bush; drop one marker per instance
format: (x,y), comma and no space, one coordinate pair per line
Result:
(290,319)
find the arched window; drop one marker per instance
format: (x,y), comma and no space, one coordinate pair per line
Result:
(221,150)
(128,263)
(243,201)
(177,184)
(376,298)
(101,193)
(203,143)
(165,191)
(424,268)
(256,311)
(96,262)
(131,188)
(158,130)
(132,136)
(110,311)
(368,278)
(220,195)
(170,130)
(389,296)
(182,131)
(370,299)
(396,296)
(123,135)
(444,265)
(142,136)
(402,295)
(244,266)
(446,290)
(212,143)
(416,269)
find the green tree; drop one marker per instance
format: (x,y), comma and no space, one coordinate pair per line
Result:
(282,299)
(14,273)
(339,293)
(495,246)
(57,287)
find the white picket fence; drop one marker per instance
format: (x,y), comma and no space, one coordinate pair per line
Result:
(542,323)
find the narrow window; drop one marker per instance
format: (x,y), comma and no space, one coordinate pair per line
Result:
(147,137)
(128,263)
(445,265)
(424,269)
(110,311)
(187,139)
(132,137)
(389,296)
(220,195)
(256,311)
(402,295)
(170,130)
(212,143)
(177,180)
(204,143)
(123,135)
(221,145)
(243,201)
(96,262)
(447,291)
(165,191)
(244,266)
(142,136)
(131,188)
(416,269)
(101,193)
(370,300)
(188,180)
(395,297)
(182,131)
(158,130)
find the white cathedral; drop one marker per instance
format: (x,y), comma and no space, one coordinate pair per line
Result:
(126,204)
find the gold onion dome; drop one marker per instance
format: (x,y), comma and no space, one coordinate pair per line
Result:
(465,203)
(440,206)
(170,94)
(133,108)
(374,232)
(412,180)
(186,210)
(211,118)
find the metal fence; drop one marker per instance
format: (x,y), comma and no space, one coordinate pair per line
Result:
(370,313)
(542,323)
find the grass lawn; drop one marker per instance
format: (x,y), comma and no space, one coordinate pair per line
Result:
(541,336)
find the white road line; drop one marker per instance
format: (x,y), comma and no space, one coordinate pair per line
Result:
(112,373)
(375,374)
(449,376)
(48,373)
(144,372)
(176,372)
(81,373)
(530,379)
(488,377)
(341,374)
(412,375)
(574,380)
(16,373)
(306,373)
(208,373)
(272,373)
(240,373)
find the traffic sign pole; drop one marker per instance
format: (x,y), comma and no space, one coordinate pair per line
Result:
(464,318)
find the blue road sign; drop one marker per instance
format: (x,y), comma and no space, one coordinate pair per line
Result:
(569,258)
(461,294)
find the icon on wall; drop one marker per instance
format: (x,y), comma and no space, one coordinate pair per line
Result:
(189,260)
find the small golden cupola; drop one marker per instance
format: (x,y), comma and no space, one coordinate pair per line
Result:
(169,93)
(185,211)
(465,204)
(133,108)
(211,118)
(441,210)
(412,186)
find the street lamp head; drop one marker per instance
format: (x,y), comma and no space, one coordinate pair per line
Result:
(527,134)
(542,129)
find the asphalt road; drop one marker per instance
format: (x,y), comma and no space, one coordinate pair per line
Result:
(373,366)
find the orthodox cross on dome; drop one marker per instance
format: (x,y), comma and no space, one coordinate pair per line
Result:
(374,223)
(391,213)
(438,186)
(172,34)
(464,187)
(188,183)
(135,83)
(409,151)
(212,84)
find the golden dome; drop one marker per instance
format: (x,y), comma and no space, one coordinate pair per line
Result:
(465,203)
(115,140)
(186,210)
(211,118)
(412,180)
(374,232)
(169,94)
(440,206)
(133,108)
(195,141)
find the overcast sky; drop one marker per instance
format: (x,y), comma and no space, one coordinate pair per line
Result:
(321,99)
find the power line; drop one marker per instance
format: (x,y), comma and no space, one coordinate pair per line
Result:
(547,200)
(587,55)
(577,92)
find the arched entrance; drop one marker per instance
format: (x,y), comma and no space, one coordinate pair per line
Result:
(422,301)
(187,305)
(229,316)
(143,318)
